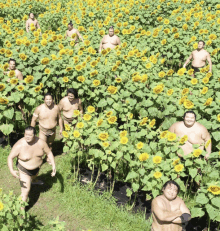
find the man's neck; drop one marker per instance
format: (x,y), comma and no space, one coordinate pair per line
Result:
(49,107)
(188,126)
(200,49)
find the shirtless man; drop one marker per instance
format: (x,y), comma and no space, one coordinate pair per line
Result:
(169,212)
(71,31)
(29,151)
(48,114)
(111,40)
(196,133)
(70,103)
(12,66)
(199,57)
(31,20)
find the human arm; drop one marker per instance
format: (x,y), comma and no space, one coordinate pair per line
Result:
(66,35)
(210,62)
(35,117)
(14,153)
(184,210)
(79,35)
(172,128)
(118,41)
(27,27)
(100,46)
(80,107)
(206,137)
(50,157)
(20,76)
(60,122)
(162,214)
(188,60)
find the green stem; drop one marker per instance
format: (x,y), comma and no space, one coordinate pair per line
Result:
(97,177)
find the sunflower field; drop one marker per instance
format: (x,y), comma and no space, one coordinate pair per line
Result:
(131,95)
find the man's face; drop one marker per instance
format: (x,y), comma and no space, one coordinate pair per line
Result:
(111,32)
(29,136)
(189,119)
(48,100)
(200,45)
(12,65)
(170,192)
(70,27)
(32,16)
(71,96)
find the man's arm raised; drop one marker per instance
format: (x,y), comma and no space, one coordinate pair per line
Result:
(187,61)
(14,153)
(210,62)
(161,213)
(35,117)
(50,157)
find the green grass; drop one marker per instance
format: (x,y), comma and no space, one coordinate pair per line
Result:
(81,207)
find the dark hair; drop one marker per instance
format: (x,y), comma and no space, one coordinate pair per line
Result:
(12,60)
(202,42)
(70,23)
(171,182)
(189,112)
(73,91)
(30,128)
(111,27)
(48,93)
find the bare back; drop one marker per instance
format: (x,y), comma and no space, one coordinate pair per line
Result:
(196,135)
(164,205)
(47,117)
(110,42)
(31,156)
(199,58)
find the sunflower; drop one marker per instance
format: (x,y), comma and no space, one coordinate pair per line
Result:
(45,61)
(139,145)
(158,89)
(14,81)
(23,56)
(161,74)
(197,152)
(179,168)
(144,156)
(123,133)
(157,159)
(112,119)
(47,71)
(175,162)
(112,89)
(205,80)
(208,102)
(103,136)
(1,206)
(207,143)
(163,134)
(152,123)
(34,49)
(65,134)
(96,82)
(65,79)
(87,117)
(67,127)
(76,112)
(81,79)
(99,122)
(214,189)
(2,86)
(194,81)
(37,89)
(43,42)
(29,79)
(171,136)
(158,175)
(90,109)
(170,92)
(124,140)
(183,139)
(105,144)
(76,134)
(188,104)
(69,69)
(181,71)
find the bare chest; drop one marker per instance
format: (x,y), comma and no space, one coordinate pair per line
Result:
(29,152)
(49,114)
(172,206)
(194,135)
(32,22)
(112,40)
(69,33)
(70,106)
(199,56)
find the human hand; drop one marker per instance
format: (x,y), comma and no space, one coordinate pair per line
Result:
(15,174)
(207,156)
(53,172)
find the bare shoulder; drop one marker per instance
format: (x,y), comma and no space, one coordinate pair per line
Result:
(176,124)
(19,144)
(56,107)
(157,200)
(202,127)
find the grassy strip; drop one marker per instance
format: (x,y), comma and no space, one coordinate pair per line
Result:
(79,206)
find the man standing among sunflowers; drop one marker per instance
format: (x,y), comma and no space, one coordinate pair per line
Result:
(32,23)
(109,41)
(192,132)
(199,57)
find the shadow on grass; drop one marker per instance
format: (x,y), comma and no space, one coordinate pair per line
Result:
(57,147)
(36,190)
